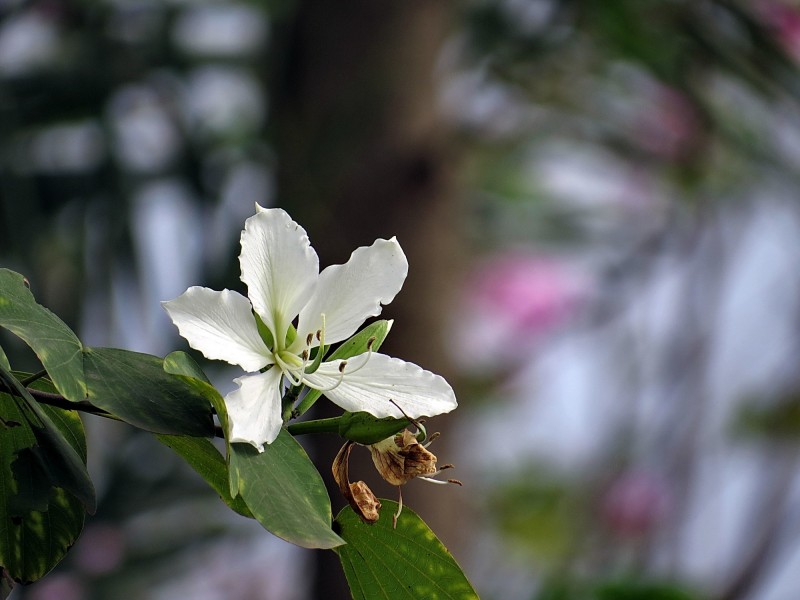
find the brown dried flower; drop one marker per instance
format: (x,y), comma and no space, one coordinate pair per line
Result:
(401,457)
(365,504)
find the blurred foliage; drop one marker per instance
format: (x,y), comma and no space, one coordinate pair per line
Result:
(540,514)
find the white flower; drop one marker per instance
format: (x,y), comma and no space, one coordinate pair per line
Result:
(281,271)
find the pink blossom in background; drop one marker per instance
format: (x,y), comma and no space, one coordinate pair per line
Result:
(669,125)
(101,549)
(784,19)
(57,586)
(510,302)
(635,503)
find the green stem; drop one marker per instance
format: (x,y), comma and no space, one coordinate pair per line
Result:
(330,425)
(288,400)
(307,402)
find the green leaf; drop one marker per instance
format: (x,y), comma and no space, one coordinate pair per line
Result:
(352,347)
(395,564)
(33,541)
(136,388)
(57,347)
(57,458)
(358,343)
(4,360)
(204,458)
(285,492)
(180,363)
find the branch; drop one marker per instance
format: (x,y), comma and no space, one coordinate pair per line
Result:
(60,401)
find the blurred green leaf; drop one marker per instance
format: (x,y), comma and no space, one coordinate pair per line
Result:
(407,562)
(638,590)
(57,347)
(285,492)
(136,388)
(537,512)
(780,420)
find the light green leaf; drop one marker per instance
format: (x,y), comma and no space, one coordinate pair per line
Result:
(180,363)
(33,541)
(285,492)
(406,563)
(204,458)
(57,347)
(136,388)
(352,347)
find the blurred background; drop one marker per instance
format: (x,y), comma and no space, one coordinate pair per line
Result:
(599,205)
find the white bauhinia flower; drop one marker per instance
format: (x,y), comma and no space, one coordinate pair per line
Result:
(281,271)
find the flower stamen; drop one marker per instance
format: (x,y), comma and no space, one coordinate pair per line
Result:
(336,384)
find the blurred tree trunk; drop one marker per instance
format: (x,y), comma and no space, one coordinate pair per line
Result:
(363,153)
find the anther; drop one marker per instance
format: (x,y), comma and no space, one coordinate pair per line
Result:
(309,339)
(319,335)
(342,366)
(432,437)
(370,342)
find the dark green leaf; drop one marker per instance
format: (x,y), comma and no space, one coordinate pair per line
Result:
(204,458)
(4,360)
(57,457)
(33,541)
(396,564)
(136,388)
(57,347)
(285,492)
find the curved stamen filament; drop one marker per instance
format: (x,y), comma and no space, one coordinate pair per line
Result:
(289,371)
(320,351)
(367,355)
(336,384)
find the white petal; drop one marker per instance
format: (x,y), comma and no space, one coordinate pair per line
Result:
(350,293)
(420,393)
(220,325)
(254,409)
(279,267)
